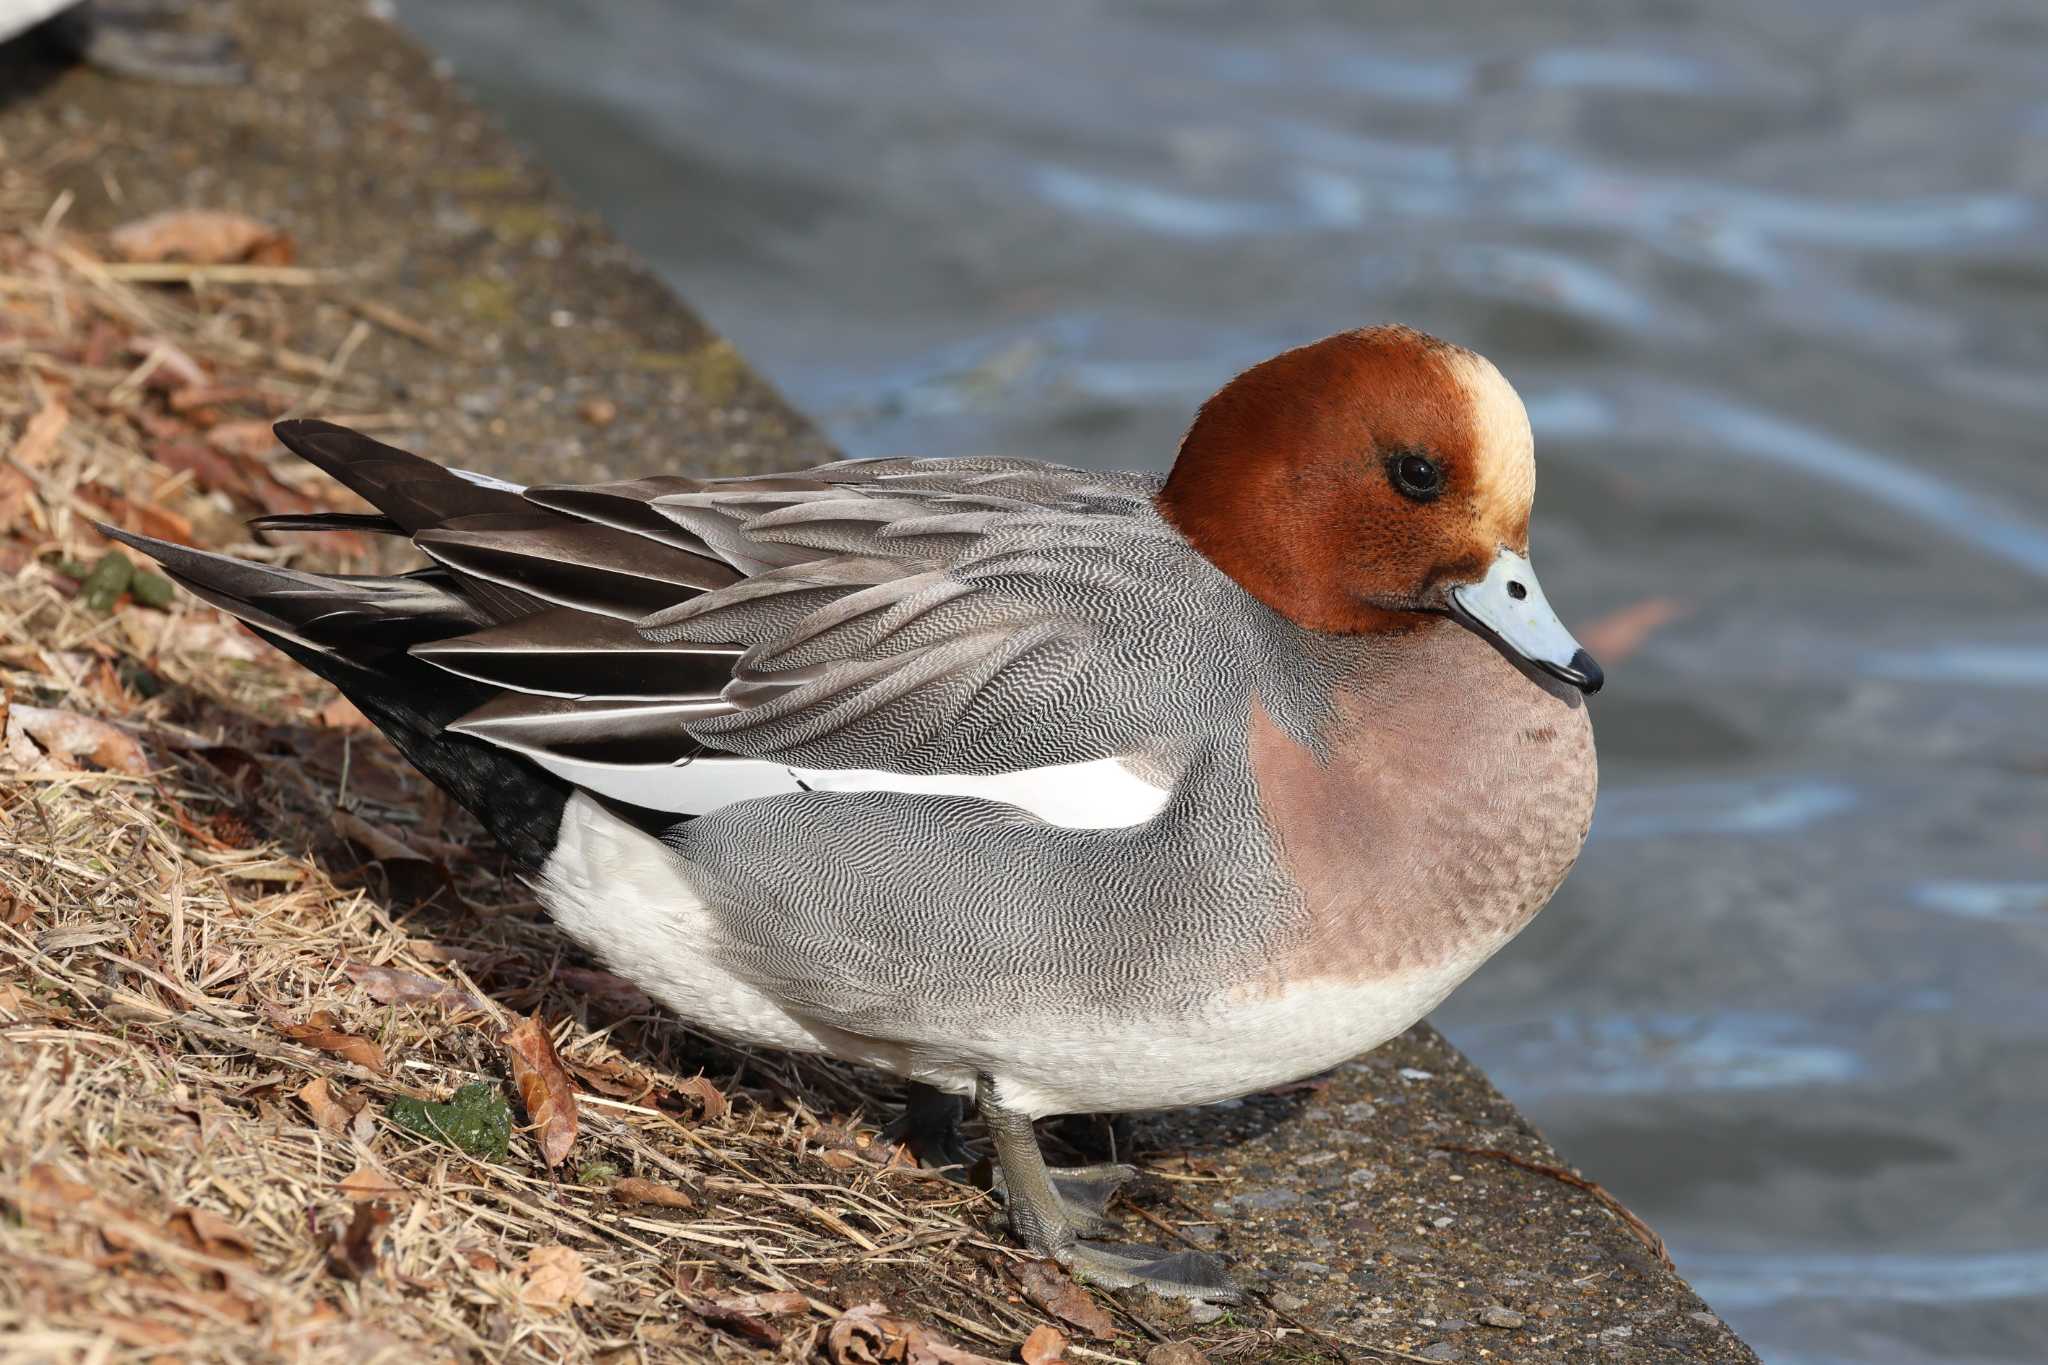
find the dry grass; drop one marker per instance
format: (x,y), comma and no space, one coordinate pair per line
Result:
(235,929)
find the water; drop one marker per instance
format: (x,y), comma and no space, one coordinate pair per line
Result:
(1772,279)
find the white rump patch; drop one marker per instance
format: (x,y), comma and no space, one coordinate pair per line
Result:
(1100,794)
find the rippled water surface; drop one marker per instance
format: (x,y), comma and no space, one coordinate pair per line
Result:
(1772,279)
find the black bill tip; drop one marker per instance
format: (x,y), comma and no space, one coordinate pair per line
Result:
(1582,672)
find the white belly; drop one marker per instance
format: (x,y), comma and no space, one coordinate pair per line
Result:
(625,897)
(1237,1046)
(621,894)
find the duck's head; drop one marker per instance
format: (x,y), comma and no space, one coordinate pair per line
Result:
(1370,482)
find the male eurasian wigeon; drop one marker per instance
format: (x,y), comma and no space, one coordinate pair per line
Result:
(1059,790)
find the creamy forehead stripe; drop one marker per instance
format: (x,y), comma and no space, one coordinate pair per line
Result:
(1505,447)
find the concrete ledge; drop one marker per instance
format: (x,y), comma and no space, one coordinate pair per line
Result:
(1403,1201)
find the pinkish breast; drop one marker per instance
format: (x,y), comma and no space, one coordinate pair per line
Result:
(1449,799)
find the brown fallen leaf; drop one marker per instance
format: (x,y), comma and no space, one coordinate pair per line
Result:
(867,1335)
(1053,1290)
(318,1031)
(746,1315)
(211,1233)
(395,986)
(341,714)
(165,364)
(46,1192)
(208,634)
(555,1279)
(330,1115)
(634,1190)
(1045,1346)
(66,734)
(544,1087)
(1175,1353)
(39,437)
(375,840)
(244,440)
(201,237)
(612,993)
(610,1077)
(211,470)
(367,1183)
(710,1099)
(1618,634)
(353,1255)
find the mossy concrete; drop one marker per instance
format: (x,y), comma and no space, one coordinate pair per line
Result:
(1348,1202)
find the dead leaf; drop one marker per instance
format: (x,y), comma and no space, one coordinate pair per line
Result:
(208,634)
(330,1115)
(744,1315)
(393,986)
(202,237)
(1618,634)
(1175,1353)
(47,1191)
(167,365)
(39,437)
(413,877)
(612,1077)
(555,1279)
(544,1087)
(866,1335)
(66,734)
(612,993)
(634,1190)
(1053,1290)
(1045,1346)
(210,469)
(353,1255)
(245,440)
(319,1032)
(211,1233)
(375,840)
(710,1099)
(366,1181)
(341,714)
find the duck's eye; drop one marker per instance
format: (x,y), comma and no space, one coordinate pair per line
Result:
(1416,476)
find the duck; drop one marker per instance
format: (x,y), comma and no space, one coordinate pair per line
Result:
(1046,789)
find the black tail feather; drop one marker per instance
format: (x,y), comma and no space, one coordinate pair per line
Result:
(366,616)
(517,801)
(376,523)
(413,493)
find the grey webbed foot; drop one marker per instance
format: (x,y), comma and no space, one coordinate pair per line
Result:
(1040,1215)
(132,39)
(1084,1193)
(1175,1274)
(930,1127)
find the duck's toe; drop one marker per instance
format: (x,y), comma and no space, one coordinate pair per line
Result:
(1085,1192)
(136,40)
(1176,1274)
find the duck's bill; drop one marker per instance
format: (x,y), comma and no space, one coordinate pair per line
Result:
(1507,607)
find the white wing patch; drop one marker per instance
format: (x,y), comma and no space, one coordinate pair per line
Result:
(1100,794)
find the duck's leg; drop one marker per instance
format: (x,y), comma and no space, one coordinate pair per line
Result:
(930,1126)
(133,38)
(1039,1217)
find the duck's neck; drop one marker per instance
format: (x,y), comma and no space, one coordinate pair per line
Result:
(1431,807)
